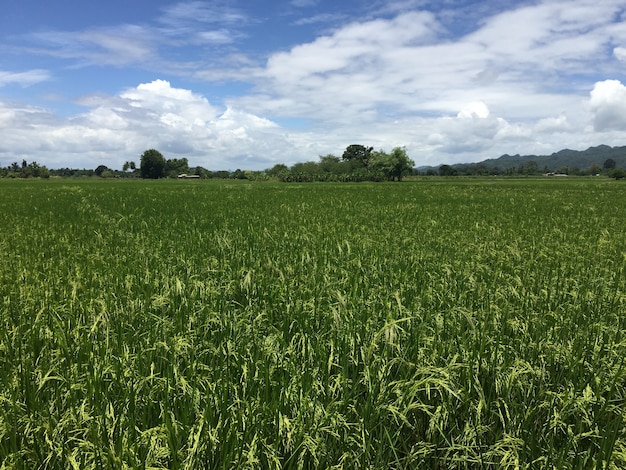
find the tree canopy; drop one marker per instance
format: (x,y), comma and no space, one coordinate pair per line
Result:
(152,164)
(392,166)
(358,154)
(358,163)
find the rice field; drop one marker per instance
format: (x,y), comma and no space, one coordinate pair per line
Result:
(452,324)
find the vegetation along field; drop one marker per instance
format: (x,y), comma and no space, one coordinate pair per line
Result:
(423,324)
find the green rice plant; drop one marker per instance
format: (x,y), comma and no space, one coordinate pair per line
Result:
(432,324)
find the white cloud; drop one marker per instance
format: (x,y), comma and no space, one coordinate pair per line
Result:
(183,13)
(159,96)
(620,53)
(553,124)
(320,18)
(352,48)
(516,80)
(152,115)
(23,79)
(477,109)
(304,3)
(408,64)
(608,105)
(117,46)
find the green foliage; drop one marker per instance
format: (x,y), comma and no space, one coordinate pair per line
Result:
(277,170)
(443,324)
(392,166)
(152,164)
(618,173)
(330,164)
(129,166)
(575,161)
(27,170)
(358,163)
(101,169)
(447,170)
(176,166)
(358,154)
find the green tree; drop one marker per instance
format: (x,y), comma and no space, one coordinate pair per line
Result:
(44,172)
(531,168)
(392,166)
(238,174)
(358,155)
(447,170)
(152,164)
(609,164)
(331,164)
(176,166)
(594,169)
(101,169)
(618,174)
(277,169)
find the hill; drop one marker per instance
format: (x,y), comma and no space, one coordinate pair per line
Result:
(571,159)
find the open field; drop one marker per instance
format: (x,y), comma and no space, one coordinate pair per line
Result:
(426,324)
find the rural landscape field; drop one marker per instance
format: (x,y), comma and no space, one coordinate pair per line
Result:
(441,323)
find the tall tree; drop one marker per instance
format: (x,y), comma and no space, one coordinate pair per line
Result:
(101,169)
(609,164)
(358,155)
(394,165)
(447,170)
(176,166)
(152,164)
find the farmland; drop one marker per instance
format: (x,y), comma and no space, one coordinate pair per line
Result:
(424,324)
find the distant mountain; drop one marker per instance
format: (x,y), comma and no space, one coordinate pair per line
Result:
(580,159)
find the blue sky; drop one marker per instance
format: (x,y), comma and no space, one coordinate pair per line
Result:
(236,84)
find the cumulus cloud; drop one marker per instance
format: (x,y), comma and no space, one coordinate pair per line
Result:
(350,48)
(608,105)
(553,124)
(408,63)
(472,130)
(178,104)
(620,53)
(150,115)
(477,109)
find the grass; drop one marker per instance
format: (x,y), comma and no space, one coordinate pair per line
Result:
(429,324)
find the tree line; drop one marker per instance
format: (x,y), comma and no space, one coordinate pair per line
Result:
(25,170)
(530,168)
(357,163)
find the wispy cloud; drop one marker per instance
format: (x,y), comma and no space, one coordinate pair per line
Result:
(117,46)
(204,22)
(181,25)
(181,14)
(23,79)
(322,18)
(304,3)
